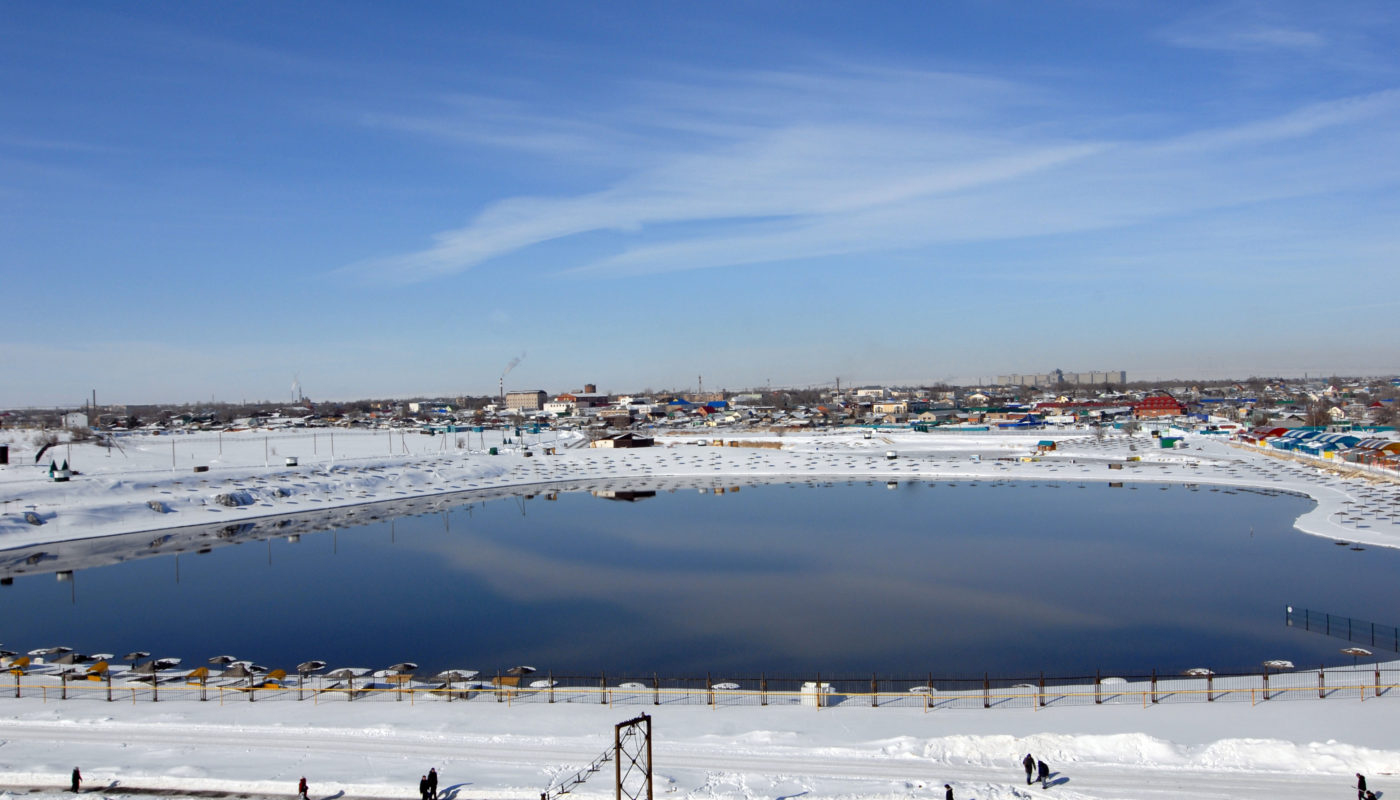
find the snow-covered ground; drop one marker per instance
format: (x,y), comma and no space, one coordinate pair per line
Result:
(1294,749)
(149,483)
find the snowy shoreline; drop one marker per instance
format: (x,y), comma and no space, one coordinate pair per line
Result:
(132,494)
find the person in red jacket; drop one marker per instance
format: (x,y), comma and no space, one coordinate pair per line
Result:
(301,788)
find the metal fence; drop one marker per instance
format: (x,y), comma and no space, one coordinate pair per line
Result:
(1384,637)
(1355,684)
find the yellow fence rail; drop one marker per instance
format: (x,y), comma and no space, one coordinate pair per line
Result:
(931,701)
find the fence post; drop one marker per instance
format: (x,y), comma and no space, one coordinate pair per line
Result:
(63,679)
(1266,683)
(1378,681)
(1210,684)
(109,685)
(1321,683)
(874,692)
(656,689)
(986,690)
(549,676)
(1042,690)
(763,688)
(1154,685)
(1098,688)
(709,689)
(499,688)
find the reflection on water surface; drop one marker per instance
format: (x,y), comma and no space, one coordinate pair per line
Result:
(916,577)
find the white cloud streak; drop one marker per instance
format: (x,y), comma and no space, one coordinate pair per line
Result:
(769,169)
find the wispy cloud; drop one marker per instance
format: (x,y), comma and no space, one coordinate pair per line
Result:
(768,169)
(1253,39)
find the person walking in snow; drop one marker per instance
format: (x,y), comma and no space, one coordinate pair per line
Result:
(1360,786)
(301,788)
(947,792)
(1043,773)
(423,788)
(432,784)
(1029,763)
(78,778)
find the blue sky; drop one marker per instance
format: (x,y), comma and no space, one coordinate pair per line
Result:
(203,200)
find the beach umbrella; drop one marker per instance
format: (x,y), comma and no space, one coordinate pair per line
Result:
(348,674)
(1198,672)
(7,653)
(521,670)
(220,661)
(306,668)
(102,656)
(402,666)
(447,676)
(456,675)
(542,684)
(728,687)
(1356,651)
(134,656)
(50,651)
(240,669)
(69,659)
(1278,663)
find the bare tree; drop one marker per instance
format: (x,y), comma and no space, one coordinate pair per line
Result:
(1318,415)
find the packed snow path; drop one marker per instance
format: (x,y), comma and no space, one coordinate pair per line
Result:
(748,753)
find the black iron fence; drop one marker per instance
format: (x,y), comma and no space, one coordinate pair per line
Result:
(1380,637)
(927,693)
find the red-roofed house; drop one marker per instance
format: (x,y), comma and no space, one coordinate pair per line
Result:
(1161,405)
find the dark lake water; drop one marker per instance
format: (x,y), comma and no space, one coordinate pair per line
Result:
(953,579)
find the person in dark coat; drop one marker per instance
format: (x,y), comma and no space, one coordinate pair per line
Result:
(948,792)
(1029,763)
(423,788)
(78,778)
(1042,772)
(1360,786)
(301,788)
(432,784)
